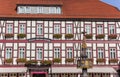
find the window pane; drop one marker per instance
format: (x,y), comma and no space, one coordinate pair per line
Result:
(57,29)
(99,29)
(39,29)
(56,53)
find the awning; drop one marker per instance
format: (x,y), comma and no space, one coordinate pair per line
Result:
(78,70)
(13,69)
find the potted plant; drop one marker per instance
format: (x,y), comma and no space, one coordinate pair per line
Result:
(21,60)
(9,35)
(21,35)
(46,63)
(31,62)
(69,36)
(113,60)
(8,61)
(100,36)
(100,60)
(88,36)
(90,59)
(69,60)
(57,60)
(112,36)
(57,36)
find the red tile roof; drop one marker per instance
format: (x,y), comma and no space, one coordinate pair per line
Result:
(70,9)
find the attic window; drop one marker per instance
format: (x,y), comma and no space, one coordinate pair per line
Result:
(39,10)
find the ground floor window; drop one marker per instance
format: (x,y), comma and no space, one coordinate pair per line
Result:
(12,74)
(65,75)
(101,75)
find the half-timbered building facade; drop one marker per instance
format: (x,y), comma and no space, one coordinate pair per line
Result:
(40,30)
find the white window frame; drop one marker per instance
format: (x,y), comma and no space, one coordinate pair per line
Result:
(57,29)
(69,28)
(69,52)
(39,29)
(22,28)
(8,54)
(99,29)
(9,28)
(39,9)
(56,52)
(88,28)
(89,53)
(100,53)
(111,28)
(39,54)
(21,52)
(112,53)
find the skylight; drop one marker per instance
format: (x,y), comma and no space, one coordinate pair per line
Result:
(115,3)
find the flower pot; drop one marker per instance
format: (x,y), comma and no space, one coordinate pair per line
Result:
(8,61)
(21,35)
(100,60)
(57,60)
(88,36)
(9,35)
(112,36)
(69,36)
(100,36)
(57,36)
(69,60)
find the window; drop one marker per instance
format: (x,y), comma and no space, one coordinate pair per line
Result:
(69,29)
(111,29)
(112,53)
(88,29)
(8,53)
(100,53)
(39,53)
(39,9)
(22,28)
(56,52)
(39,29)
(21,9)
(9,28)
(28,9)
(99,29)
(21,52)
(69,53)
(89,52)
(56,28)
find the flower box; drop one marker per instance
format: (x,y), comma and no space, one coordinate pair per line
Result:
(113,60)
(46,63)
(100,60)
(100,36)
(69,60)
(57,36)
(9,35)
(21,60)
(31,62)
(21,35)
(90,59)
(57,60)
(69,36)
(112,36)
(88,36)
(9,60)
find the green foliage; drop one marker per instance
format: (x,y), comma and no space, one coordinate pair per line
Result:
(68,36)
(57,36)
(21,35)
(9,35)
(56,60)
(9,60)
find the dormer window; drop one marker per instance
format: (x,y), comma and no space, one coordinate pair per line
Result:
(39,10)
